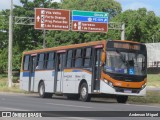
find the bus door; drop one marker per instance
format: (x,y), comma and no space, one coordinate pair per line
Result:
(96,73)
(58,83)
(32,72)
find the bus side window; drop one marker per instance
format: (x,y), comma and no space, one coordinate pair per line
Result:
(98,54)
(87,57)
(78,58)
(26,62)
(69,59)
(40,62)
(50,60)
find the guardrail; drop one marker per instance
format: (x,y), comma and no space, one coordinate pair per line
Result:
(153,64)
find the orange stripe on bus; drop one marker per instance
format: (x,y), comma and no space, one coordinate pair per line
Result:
(71,70)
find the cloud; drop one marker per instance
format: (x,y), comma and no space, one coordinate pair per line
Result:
(136,5)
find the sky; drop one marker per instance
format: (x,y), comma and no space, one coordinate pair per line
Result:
(153,5)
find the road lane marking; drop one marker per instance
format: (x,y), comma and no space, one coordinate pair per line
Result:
(144,105)
(68,105)
(13,109)
(78,118)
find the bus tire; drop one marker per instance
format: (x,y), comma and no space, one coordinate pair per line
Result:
(121,99)
(42,93)
(84,96)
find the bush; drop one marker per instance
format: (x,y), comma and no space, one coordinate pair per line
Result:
(15,79)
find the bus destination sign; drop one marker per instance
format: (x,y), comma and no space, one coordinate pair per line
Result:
(127,46)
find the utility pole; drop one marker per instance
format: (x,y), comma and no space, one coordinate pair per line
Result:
(44,36)
(44,31)
(10,46)
(123,32)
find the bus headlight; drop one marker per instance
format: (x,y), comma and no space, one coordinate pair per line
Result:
(106,81)
(110,84)
(143,86)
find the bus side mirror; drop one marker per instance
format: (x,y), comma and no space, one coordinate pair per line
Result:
(103,57)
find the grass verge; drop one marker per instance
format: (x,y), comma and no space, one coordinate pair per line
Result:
(4,86)
(151,97)
(153,80)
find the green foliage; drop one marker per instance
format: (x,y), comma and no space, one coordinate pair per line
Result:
(141,24)
(3,59)
(153,80)
(3,30)
(110,6)
(151,97)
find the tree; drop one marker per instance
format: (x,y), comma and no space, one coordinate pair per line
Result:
(110,6)
(3,29)
(3,59)
(140,24)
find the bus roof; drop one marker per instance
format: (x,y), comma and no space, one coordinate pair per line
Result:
(75,46)
(65,47)
(128,41)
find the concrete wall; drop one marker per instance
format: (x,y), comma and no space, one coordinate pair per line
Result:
(153,54)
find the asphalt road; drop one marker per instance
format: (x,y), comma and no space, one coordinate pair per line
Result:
(27,102)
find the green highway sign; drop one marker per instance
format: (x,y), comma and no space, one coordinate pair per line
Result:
(89,21)
(89,13)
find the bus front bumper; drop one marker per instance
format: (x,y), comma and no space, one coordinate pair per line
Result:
(106,89)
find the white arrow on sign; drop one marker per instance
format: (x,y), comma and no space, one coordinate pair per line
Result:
(38,18)
(75,25)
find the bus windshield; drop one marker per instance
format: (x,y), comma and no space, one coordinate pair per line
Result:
(125,63)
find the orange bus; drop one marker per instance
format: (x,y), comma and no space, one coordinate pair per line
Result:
(81,71)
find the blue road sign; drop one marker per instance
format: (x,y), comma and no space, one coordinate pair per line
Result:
(90,19)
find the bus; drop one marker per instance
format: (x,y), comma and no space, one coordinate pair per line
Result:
(81,71)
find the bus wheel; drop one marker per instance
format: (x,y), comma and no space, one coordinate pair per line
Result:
(122,99)
(84,93)
(42,93)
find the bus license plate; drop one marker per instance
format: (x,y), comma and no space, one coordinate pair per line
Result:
(127,91)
